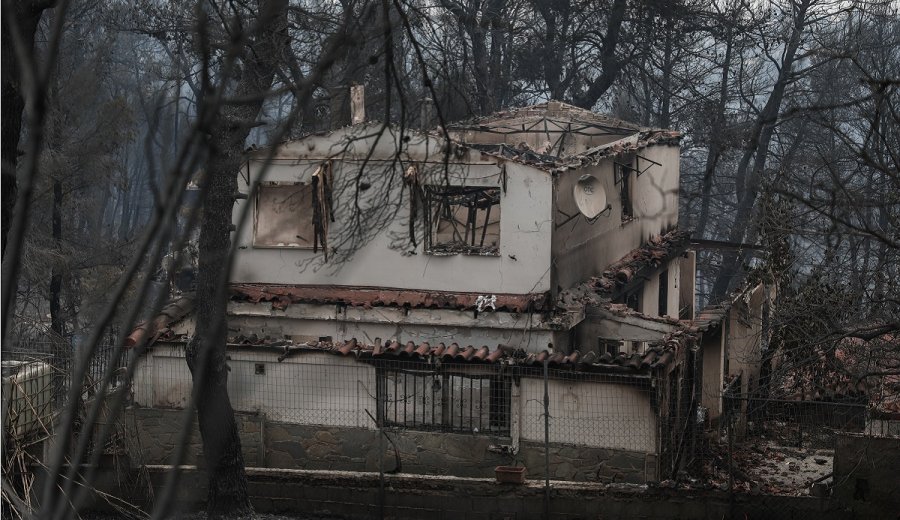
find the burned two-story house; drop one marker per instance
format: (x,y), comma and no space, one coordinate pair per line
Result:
(483,292)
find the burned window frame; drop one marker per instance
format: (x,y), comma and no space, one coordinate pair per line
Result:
(439,198)
(320,214)
(455,411)
(622,177)
(613,347)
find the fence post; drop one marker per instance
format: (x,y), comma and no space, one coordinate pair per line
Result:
(380,472)
(729,423)
(546,441)
(380,400)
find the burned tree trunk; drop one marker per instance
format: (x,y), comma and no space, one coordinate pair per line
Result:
(715,146)
(610,63)
(205,354)
(56,320)
(749,176)
(24,16)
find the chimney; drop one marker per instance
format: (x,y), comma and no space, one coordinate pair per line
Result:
(554,107)
(357,104)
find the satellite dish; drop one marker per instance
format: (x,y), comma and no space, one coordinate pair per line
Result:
(590,197)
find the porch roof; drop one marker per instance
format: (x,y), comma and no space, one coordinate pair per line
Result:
(656,357)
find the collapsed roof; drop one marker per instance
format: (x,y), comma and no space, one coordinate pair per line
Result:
(551,136)
(551,113)
(622,275)
(554,136)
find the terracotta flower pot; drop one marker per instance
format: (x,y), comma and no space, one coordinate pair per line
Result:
(510,474)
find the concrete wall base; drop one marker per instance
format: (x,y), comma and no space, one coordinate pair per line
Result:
(293,446)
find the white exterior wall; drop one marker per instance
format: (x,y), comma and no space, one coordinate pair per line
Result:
(388,259)
(675,282)
(308,389)
(883,427)
(713,345)
(743,341)
(601,415)
(582,249)
(330,390)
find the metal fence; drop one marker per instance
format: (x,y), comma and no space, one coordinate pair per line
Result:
(601,410)
(772,447)
(749,444)
(56,359)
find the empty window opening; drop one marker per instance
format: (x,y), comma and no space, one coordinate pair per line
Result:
(463,220)
(637,347)
(295,214)
(664,292)
(284,216)
(633,300)
(609,346)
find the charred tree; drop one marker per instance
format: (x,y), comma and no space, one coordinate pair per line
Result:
(205,354)
(751,168)
(484,26)
(610,63)
(56,319)
(716,144)
(21,16)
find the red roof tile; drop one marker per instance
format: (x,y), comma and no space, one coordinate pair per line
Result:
(283,295)
(172,313)
(655,357)
(628,270)
(852,369)
(425,352)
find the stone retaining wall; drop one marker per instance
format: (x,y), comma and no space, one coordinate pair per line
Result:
(867,473)
(292,446)
(342,495)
